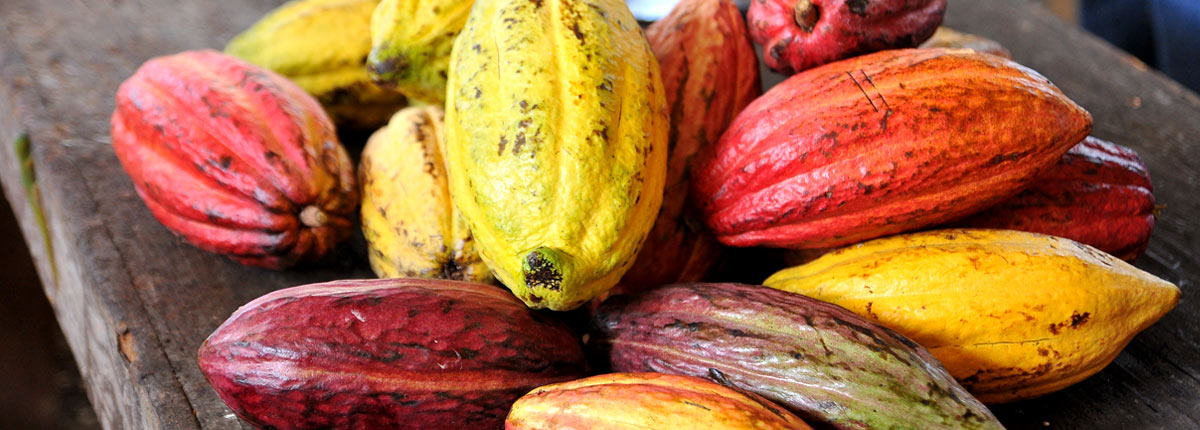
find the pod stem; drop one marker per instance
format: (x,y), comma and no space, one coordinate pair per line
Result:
(313,217)
(806,15)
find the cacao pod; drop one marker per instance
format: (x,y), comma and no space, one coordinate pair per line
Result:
(411,42)
(1098,194)
(710,74)
(946,37)
(412,228)
(321,45)
(385,353)
(822,362)
(646,401)
(1012,315)
(797,35)
(556,144)
(236,159)
(884,143)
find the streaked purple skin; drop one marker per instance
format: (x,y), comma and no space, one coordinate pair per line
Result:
(385,354)
(822,362)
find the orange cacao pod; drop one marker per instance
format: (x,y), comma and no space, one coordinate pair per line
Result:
(1098,194)
(385,354)
(880,144)
(234,158)
(649,401)
(710,73)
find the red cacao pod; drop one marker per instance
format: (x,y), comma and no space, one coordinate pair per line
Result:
(234,158)
(710,74)
(823,362)
(801,34)
(1098,194)
(388,353)
(880,144)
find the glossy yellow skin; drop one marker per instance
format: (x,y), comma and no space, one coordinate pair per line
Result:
(320,45)
(556,143)
(412,228)
(411,42)
(1012,315)
(646,401)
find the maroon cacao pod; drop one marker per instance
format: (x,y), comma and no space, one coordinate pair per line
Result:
(800,34)
(387,353)
(710,73)
(883,143)
(234,158)
(1098,194)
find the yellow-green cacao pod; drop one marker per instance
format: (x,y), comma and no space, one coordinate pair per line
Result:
(412,228)
(321,46)
(411,42)
(556,143)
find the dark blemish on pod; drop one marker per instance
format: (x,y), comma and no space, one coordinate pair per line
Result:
(541,271)
(503,143)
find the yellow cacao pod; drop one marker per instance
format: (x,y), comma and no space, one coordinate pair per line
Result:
(556,143)
(321,46)
(1012,315)
(411,42)
(412,228)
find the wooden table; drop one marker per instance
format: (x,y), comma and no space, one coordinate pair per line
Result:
(135,302)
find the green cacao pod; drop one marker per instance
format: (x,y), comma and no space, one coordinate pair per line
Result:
(411,42)
(321,45)
(822,362)
(556,143)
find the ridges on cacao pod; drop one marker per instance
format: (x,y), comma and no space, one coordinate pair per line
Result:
(797,35)
(1012,315)
(386,353)
(322,45)
(411,42)
(1098,193)
(710,73)
(556,144)
(234,158)
(650,401)
(411,226)
(829,366)
(879,144)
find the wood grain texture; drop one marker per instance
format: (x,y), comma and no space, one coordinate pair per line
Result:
(135,302)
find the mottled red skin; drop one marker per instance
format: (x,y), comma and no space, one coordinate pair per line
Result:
(710,74)
(843,29)
(1098,194)
(385,354)
(881,144)
(778,345)
(227,155)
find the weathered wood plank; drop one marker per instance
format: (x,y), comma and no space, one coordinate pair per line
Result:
(135,302)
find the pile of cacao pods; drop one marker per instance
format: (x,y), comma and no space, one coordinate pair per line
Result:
(958,238)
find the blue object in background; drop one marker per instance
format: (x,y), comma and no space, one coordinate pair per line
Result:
(1162,33)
